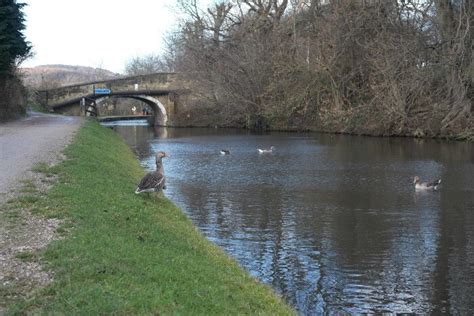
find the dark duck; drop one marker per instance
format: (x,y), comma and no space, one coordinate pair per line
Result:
(154,181)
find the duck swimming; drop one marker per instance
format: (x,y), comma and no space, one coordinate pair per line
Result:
(264,151)
(225,152)
(154,181)
(426,185)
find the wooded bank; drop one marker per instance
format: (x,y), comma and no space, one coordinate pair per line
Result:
(373,67)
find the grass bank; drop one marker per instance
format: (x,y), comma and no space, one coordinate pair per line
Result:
(130,254)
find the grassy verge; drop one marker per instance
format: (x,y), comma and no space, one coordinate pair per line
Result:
(130,254)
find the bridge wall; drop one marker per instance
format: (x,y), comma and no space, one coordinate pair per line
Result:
(163,87)
(160,81)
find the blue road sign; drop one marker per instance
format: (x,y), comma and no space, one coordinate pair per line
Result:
(102,91)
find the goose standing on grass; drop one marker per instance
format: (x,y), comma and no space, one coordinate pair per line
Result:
(154,181)
(225,152)
(265,151)
(426,185)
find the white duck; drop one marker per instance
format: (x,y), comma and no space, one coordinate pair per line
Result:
(426,185)
(265,151)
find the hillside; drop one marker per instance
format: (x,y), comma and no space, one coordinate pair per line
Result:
(47,76)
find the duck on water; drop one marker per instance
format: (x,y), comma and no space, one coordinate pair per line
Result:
(426,185)
(265,151)
(154,181)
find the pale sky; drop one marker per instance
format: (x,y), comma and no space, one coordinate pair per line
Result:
(96,33)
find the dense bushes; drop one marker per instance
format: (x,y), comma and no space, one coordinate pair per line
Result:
(12,98)
(357,66)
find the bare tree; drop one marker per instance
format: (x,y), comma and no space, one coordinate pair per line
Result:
(147,65)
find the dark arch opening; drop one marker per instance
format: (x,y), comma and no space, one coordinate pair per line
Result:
(158,109)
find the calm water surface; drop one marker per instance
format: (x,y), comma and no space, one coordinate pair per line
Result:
(332,223)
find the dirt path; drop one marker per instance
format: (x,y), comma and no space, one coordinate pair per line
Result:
(23,144)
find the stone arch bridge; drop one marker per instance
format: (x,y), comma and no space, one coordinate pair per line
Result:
(161,91)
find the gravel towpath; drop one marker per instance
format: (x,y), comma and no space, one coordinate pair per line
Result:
(38,138)
(24,143)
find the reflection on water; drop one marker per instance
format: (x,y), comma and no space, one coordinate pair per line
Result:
(333,223)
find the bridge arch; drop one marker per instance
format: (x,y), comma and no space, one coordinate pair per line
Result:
(159,110)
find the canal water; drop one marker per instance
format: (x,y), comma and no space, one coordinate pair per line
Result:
(331,222)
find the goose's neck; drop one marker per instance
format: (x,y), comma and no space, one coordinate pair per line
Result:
(159,166)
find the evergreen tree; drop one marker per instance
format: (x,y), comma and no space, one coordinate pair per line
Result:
(13,45)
